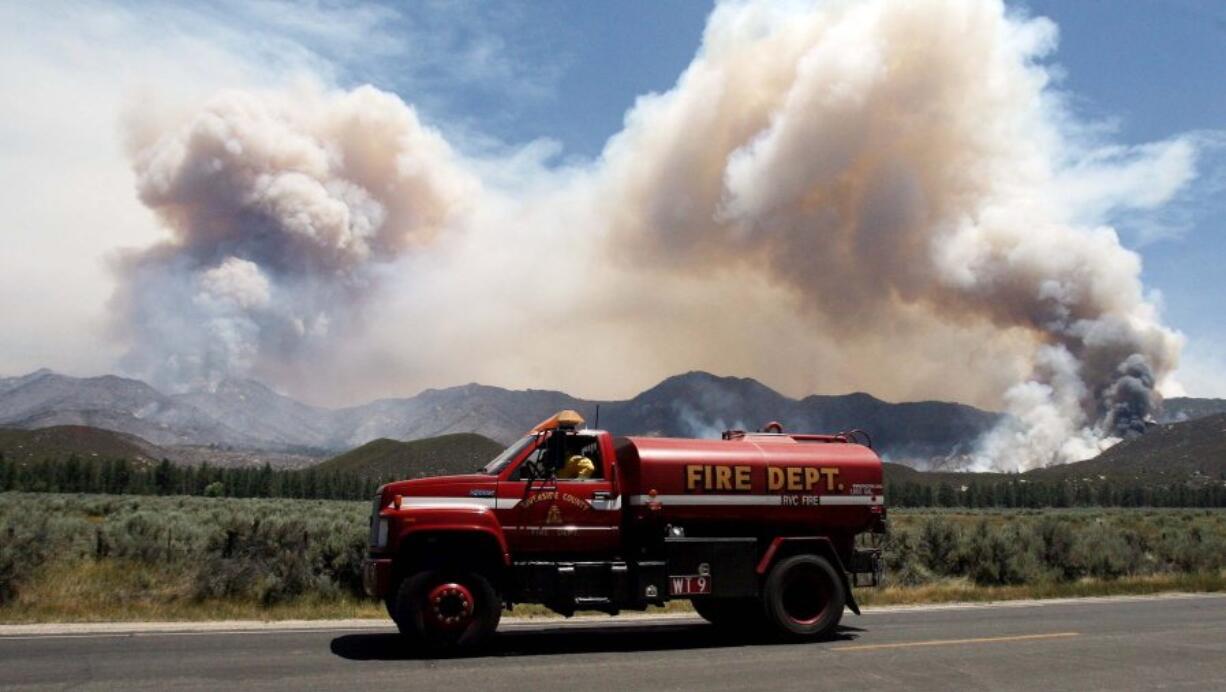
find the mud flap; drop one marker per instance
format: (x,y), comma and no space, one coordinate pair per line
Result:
(851,596)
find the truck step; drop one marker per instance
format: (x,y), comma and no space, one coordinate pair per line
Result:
(592,602)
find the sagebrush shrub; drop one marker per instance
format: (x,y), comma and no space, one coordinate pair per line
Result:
(272,551)
(938,545)
(1104,552)
(23,547)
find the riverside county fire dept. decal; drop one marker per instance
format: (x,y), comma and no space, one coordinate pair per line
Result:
(556,497)
(554,522)
(739,478)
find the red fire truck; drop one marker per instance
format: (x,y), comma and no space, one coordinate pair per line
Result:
(757,529)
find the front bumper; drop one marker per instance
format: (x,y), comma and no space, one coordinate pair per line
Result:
(377,576)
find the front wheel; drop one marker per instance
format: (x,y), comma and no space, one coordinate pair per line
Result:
(443,609)
(391,603)
(804,597)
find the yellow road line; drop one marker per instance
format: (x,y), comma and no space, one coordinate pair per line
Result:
(950,642)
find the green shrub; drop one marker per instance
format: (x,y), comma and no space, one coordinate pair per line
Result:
(276,550)
(939,541)
(267,560)
(1056,538)
(23,547)
(990,558)
(903,564)
(1105,553)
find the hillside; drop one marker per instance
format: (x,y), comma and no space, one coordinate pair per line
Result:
(44,399)
(62,441)
(254,410)
(899,473)
(435,456)
(1187,451)
(699,404)
(1181,408)
(1172,465)
(493,412)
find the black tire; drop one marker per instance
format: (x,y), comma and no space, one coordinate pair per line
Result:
(390,602)
(730,613)
(445,610)
(804,597)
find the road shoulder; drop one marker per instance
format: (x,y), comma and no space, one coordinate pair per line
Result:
(375,624)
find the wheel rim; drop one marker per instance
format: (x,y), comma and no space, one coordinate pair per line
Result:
(449,606)
(806,595)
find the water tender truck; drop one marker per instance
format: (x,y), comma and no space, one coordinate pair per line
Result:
(757,530)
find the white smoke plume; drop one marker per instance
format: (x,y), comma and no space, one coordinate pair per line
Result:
(886,195)
(280,208)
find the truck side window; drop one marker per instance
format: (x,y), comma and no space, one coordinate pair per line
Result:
(536,465)
(587,446)
(548,459)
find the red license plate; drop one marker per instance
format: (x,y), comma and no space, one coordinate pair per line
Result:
(686,586)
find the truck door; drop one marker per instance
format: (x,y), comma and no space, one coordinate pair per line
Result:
(577,517)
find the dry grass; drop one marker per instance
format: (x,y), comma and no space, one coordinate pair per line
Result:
(117,591)
(111,591)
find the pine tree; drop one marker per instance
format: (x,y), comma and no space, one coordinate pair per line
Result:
(163,478)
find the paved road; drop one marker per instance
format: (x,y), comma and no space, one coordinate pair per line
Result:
(1116,644)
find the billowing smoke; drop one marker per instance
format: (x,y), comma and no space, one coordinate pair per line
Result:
(877,158)
(281,207)
(886,195)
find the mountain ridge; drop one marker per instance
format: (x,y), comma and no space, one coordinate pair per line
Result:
(247,414)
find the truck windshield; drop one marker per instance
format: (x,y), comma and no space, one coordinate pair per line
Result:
(507,456)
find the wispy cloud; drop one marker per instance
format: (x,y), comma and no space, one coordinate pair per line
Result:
(1149,192)
(1202,369)
(471,67)
(439,55)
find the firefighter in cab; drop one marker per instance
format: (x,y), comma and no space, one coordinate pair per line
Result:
(577,467)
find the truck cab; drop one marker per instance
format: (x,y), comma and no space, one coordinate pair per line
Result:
(576,519)
(543,512)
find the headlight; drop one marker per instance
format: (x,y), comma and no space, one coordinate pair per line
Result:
(378,525)
(376,504)
(379,533)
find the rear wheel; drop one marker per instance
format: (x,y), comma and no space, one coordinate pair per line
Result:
(443,609)
(804,597)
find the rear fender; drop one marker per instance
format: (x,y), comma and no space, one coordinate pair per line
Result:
(786,546)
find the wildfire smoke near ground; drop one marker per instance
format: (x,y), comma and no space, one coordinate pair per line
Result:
(885,196)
